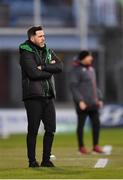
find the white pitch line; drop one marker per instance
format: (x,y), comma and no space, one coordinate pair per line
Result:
(101,163)
(71,159)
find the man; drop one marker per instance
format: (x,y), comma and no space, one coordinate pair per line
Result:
(38,65)
(87,98)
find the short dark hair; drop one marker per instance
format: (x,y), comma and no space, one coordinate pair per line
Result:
(83,54)
(32,31)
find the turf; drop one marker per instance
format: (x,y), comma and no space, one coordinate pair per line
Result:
(13,161)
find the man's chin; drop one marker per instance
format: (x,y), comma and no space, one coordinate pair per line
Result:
(42,45)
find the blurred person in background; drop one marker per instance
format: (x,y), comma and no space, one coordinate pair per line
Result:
(87,99)
(38,65)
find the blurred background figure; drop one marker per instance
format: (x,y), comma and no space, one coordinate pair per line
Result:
(87,99)
(70,26)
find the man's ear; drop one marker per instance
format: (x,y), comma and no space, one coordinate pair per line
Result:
(32,38)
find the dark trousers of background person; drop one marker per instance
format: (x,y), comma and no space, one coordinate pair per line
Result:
(95,122)
(37,110)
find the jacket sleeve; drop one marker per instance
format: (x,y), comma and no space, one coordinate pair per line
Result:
(56,67)
(74,86)
(30,67)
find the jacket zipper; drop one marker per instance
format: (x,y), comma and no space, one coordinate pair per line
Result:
(47,84)
(94,86)
(47,93)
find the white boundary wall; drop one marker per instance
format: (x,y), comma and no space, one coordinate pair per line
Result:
(13,121)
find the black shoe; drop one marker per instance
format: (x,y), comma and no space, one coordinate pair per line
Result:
(47,164)
(34,164)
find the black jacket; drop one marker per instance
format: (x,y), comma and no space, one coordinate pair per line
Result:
(83,85)
(36,82)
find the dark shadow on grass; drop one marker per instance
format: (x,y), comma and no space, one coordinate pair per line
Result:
(62,170)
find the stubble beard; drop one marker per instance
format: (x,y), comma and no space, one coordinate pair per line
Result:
(42,44)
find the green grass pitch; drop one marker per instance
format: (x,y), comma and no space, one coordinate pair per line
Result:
(69,165)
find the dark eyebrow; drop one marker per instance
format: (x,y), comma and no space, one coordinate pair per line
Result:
(41,35)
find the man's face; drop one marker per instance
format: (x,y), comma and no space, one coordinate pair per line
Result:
(39,38)
(87,60)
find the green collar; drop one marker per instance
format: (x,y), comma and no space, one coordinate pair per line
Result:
(27,47)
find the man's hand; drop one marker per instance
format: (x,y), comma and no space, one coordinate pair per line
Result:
(100,104)
(82,105)
(39,67)
(53,62)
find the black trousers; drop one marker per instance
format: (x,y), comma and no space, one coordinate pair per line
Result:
(37,110)
(95,123)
